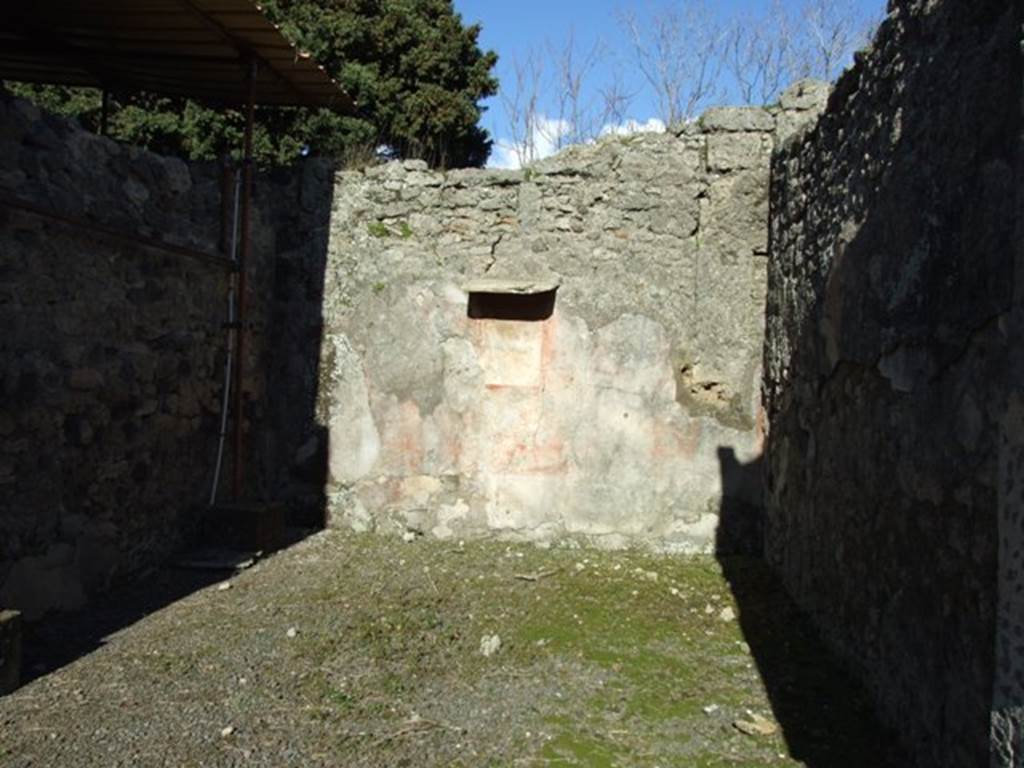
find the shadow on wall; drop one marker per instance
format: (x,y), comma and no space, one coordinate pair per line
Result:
(292,446)
(890,282)
(825,716)
(287,447)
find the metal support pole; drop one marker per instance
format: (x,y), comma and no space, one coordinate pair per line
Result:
(243,259)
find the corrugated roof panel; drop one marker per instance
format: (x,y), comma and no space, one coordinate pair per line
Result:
(177,47)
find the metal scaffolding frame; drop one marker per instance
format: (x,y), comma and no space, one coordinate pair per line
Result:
(224,52)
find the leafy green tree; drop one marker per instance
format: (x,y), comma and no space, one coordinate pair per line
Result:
(416,72)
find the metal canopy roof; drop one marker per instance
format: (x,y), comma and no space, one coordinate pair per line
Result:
(194,48)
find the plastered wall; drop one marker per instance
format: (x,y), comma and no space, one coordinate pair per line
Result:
(608,418)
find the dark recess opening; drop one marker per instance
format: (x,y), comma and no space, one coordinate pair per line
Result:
(528,307)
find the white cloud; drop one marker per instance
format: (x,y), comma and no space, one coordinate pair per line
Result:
(542,142)
(503,155)
(545,138)
(651,125)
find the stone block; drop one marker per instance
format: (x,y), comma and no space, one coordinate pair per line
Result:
(737,119)
(807,94)
(738,151)
(792,124)
(86,379)
(10,651)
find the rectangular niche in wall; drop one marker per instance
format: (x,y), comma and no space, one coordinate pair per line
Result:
(523,300)
(510,352)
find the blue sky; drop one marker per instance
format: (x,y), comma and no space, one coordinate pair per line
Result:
(513,28)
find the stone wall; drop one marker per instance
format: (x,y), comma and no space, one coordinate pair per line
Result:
(575,351)
(604,415)
(113,354)
(889,343)
(111,359)
(610,420)
(1007,735)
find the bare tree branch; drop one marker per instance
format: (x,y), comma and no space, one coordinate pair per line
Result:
(522,106)
(833,30)
(615,102)
(758,54)
(573,67)
(680,48)
(679,52)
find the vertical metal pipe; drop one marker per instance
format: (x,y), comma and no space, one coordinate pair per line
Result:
(232,325)
(243,259)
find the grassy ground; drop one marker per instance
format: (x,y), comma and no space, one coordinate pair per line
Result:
(353,650)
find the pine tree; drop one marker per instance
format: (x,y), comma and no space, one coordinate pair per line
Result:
(416,72)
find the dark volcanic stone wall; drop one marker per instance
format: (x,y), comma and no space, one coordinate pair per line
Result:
(891,283)
(112,354)
(111,359)
(1008,694)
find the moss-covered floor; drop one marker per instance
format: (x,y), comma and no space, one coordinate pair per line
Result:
(356,650)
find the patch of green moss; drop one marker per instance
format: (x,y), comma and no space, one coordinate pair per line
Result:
(571,749)
(619,652)
(664,657)
(378,229)
(342,701)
